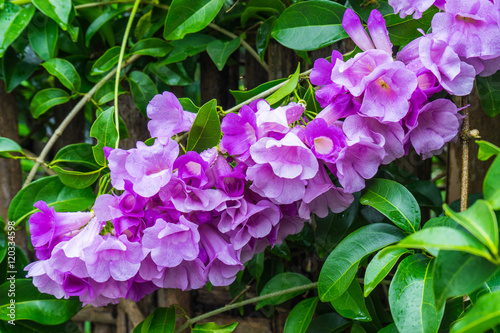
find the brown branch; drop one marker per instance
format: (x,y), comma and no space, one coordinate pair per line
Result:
(132,310)
(464,185)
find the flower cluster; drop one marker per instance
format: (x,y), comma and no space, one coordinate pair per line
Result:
(180,220)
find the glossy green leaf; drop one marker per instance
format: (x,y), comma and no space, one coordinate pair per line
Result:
(328,323)
(3,246)
(214,328)
(427,194)
(33,305)
(310,25)
(256,266)
(18,67)
(391,328)
(263,36)
(162,320)
(76,154)
(273,7)
(330,230)
(189,46)
(459,273)
(172,75)
(490,286)
(107,61)
(143,89)
(445,238)
(9,268)
(13,20)
(154,47)
(8,146)
(220,51)
(488,89)
(28,326)
(43,38)
(65,72)
(357,328)
(486,150)
(54,193)
(188,105)
(58,10)
(485,314)
(99,22)
(351,304)
(341,265)
(243,95)
(312,103)
(403,31)
(281,282)
(188,16)
(286,89)
(45,99)
(205,132)
(394,201)
(480,220)
(106,93)
(411,296)
(380,266)
(301,315)
(104,130)
(491,190)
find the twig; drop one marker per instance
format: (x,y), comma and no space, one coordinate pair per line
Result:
(464,186)
(240,294)
(69,117)
(33,157)
(246,302)
(119,68)
(132,310)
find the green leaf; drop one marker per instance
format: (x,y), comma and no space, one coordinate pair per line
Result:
(54,193)
(492,285)
(256,266)
(13,20)
(480,220)
(488,89)
(106,93)
(491,190)
(363,8)
(427,194)
(445,238)
(18,67)
(241,95)
(99,22)
(65,72)
(21,261)
(28,326)
(104,130)
(403,31)
(380,266)
(351,304)
(8,146)
(301,315)
(172,75)
(328,323)
(330,230)
(214,328)
(43,38)
(394,201)
(310,25)
(263,36)
(154,47)
(58,10)
(357,328)
(205,132)
(281,282)
(33,305)
(143,89)
(341,265)
(3,245)
(188,16)
(312,103)
(162,320)
(186,47)
(107,61)
(45,99)
(391,328)
(220,51)
(285,90)
(459,273)
(188,105)
(485,314)
(411,296)
(486,150)
(76,154)
(275,7)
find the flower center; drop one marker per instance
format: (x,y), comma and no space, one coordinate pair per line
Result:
(384,85)
(323,145)
(194,168)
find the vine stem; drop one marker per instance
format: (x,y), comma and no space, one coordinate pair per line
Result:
(264,93)
(464,186)
(119,68)
(246,302)
(57,133)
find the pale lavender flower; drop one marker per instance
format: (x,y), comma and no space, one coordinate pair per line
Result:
(409,7)
(325,141)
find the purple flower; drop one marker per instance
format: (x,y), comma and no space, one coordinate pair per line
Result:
(322,70)
(172,243)
(191,168)
(352,25)
(227,179)
(188,275)
(378,31)
(341,106)
(148,168)
(325,141)
(408,7)
(48,227)
(240,132)
(167,117)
